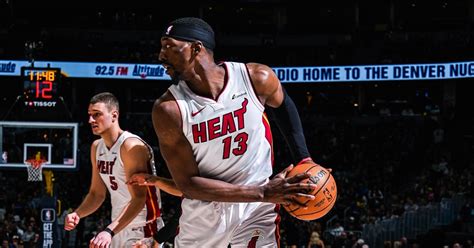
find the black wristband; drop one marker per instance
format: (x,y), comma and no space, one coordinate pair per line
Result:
(109,231)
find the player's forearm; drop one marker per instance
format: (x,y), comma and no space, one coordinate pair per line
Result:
(215,190)
(129,213)
(90,204)
(168,186)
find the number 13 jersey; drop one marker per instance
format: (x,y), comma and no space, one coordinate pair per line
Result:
(230,137)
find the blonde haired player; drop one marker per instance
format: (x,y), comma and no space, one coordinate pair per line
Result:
(115,157)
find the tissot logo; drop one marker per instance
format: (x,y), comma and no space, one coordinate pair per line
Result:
(40,103)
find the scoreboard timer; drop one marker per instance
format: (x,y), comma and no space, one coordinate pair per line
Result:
(40,86)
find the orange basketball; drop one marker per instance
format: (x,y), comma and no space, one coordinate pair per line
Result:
(325,192)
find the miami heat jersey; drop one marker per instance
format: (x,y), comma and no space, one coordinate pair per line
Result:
(231,141)
(230,136)
(111,170)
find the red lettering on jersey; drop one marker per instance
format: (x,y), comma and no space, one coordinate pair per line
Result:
(221,125)
(240,114)
(111,166)
(106,167)
(100,165)
(228,125)
(199,133)
(213,127)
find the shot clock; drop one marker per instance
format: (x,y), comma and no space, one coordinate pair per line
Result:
(40,86)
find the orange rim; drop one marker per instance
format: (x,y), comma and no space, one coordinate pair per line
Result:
(35,163)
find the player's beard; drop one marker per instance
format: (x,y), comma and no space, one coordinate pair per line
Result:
(176,77)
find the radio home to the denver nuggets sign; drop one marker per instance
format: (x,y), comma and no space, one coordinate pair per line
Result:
(375,72)
(308,74)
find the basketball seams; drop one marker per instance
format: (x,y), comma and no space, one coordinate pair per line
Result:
(330,205)
(300,212)
(323,186)
(308,214)
(289,174)
(310,168)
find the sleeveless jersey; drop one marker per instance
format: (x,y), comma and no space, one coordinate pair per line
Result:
(111,170)
(230,136)
(231,141)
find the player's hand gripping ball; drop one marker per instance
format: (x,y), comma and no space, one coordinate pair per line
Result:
(325,192)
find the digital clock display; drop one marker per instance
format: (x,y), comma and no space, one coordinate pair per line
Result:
(40,85)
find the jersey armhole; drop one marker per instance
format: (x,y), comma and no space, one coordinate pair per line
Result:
(181,107)
(250,88)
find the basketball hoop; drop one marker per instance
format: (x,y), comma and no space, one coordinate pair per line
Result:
(35,169)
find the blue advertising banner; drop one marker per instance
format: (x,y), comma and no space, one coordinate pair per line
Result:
(310,74)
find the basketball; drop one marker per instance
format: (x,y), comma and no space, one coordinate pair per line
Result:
(325,192)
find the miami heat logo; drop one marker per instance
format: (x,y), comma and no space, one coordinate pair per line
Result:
(256,234)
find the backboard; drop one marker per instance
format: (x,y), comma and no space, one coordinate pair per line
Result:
(55,142)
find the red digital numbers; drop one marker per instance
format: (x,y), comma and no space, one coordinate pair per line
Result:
(44,89)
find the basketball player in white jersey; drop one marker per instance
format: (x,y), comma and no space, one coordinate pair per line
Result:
(115,157)
(217,144)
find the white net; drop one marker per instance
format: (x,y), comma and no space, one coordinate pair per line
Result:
(35,171)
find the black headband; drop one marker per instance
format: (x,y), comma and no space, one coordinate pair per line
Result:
(189,32)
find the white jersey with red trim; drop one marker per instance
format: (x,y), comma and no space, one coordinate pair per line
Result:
(111,170)
(230,136)
(231,141)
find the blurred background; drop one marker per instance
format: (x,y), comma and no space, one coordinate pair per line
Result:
(401,151)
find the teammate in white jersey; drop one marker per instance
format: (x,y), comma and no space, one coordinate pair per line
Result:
(115,157)
(216,141)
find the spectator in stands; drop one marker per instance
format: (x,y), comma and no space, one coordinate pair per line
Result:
(375,196)
(403,242)
(5,243)
(16,242)
(359,244)
(410,205)
(457,245)
(315,241)
(28,235)
(60,225)
(337,230)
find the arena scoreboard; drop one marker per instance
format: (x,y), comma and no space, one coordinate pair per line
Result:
(40,86)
